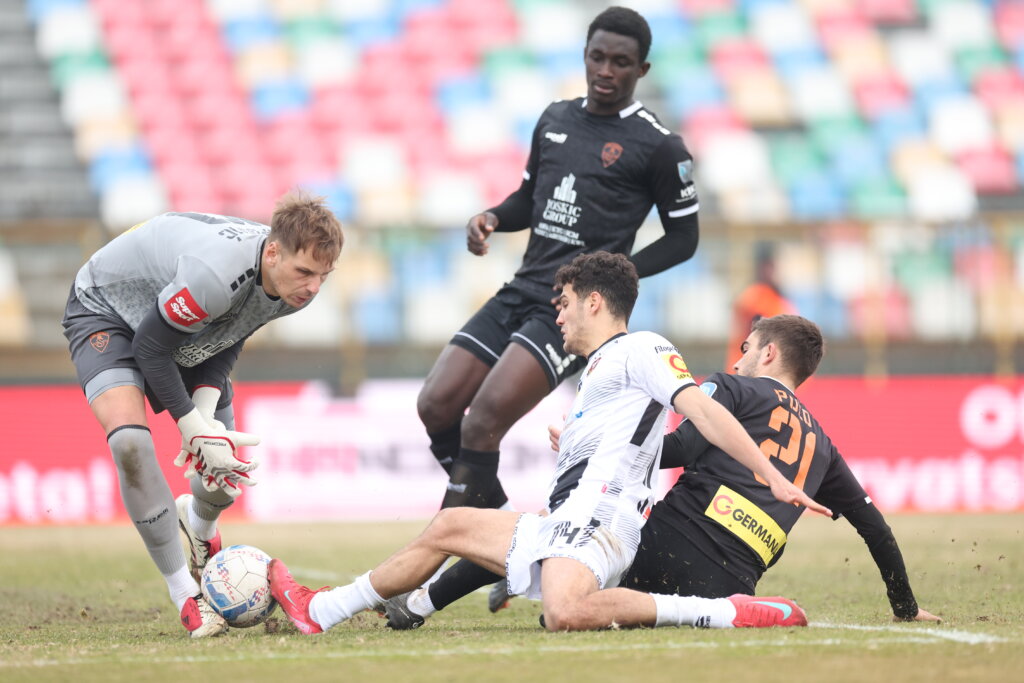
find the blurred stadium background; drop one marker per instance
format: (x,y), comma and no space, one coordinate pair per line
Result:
(873,150)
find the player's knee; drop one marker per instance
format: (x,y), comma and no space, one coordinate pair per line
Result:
(447,524)
(131,447)
(436,412)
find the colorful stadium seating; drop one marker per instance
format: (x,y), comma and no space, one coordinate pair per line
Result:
(419,112)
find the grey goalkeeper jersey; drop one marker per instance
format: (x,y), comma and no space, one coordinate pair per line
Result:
(201,271)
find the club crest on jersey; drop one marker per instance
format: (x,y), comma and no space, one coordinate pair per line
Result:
(182,309)
(99,341)
(610,153)
(677,365)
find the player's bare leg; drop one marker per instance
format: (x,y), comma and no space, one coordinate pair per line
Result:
(446,393)
(513,387)
(482,536)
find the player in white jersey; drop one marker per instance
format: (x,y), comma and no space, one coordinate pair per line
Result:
(162,311)
(598,498)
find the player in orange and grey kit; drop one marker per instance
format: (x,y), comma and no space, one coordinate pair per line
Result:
(161,312)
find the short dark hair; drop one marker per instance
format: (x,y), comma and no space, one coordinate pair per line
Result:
(302,222)
(799,341)
(625,22)
(613,276)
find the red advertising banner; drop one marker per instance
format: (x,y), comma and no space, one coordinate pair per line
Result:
(931,444)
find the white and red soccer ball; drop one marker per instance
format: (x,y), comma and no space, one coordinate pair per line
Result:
(236,584)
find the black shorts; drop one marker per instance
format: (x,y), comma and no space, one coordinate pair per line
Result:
(517,315)
(668,562)
(101,351)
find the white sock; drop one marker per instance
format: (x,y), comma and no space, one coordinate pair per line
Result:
(679,610)
(181,586)
(420,603)
(204,529)
(333,607)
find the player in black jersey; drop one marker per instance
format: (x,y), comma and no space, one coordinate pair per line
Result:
(720,519)
(597,165)
(718,529)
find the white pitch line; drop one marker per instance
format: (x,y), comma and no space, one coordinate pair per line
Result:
(937,633)
(929,636)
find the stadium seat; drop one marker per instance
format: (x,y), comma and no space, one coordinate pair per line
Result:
(706,123)
(1009,122)
(999,86)
(760,98)
(735,159)
(941,193)
(878,198)
(857,160)
(733,57)
(897,125)
(960,124)
(990,169)
(918,56)
(816,197)
(1009,24)
(820,93)
(861,55)
(879,93)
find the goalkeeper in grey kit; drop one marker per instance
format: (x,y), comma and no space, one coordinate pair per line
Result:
(161,313)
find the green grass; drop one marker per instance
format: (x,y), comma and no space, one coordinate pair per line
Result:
(68,611)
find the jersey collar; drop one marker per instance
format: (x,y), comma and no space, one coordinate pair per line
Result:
(780,382)
(623,113)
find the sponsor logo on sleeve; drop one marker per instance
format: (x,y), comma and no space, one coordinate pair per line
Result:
(747,522)
(610,153)
(183,310)
(685,169)
(674,361)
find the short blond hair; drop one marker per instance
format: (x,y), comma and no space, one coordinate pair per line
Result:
(302,222)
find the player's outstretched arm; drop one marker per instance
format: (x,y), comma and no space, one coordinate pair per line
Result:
(722,429)
(885,551)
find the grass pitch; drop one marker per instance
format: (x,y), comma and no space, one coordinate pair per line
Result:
(72,610)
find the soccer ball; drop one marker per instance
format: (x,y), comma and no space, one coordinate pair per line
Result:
(236,584)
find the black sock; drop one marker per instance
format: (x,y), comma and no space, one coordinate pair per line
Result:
(473,480)
(458,581)
(445,445)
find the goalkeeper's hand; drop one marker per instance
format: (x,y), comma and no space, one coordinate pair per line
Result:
(205,399)
(215,453)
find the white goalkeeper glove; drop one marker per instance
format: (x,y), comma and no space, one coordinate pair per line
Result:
(205,400)
(215,452)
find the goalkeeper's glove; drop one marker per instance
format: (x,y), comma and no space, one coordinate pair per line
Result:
(215,453)
(205,399)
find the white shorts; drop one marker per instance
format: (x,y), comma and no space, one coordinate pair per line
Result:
(536,538)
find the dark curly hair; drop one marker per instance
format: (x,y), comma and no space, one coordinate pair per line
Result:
(613,276)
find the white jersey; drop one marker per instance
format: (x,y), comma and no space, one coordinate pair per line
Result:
(200,270)
(610,446)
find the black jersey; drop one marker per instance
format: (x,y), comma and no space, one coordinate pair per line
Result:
(593,180)
(733,516)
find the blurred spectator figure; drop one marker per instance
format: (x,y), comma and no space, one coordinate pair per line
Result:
(760,299)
